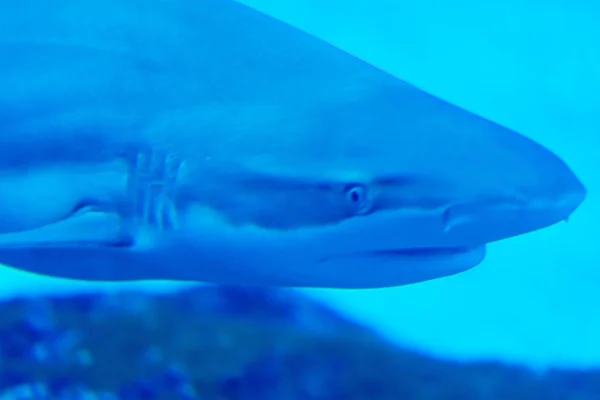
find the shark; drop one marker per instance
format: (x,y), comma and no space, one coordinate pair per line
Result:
(206,141)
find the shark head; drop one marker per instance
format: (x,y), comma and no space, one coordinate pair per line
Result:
(394,188)
(307,167)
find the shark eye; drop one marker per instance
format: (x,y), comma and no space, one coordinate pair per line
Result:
(358,200)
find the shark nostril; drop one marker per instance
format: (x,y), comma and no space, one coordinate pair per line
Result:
(454,216)
(470,215)
(491,219)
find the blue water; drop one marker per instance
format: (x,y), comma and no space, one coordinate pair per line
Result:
(532,66)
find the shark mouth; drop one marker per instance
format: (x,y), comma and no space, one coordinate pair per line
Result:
(422,251)
(434,253)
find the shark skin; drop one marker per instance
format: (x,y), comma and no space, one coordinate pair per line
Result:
(205,141)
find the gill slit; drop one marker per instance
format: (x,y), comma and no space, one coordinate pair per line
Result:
(152,188)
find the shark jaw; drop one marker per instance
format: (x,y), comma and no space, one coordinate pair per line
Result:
(96,246)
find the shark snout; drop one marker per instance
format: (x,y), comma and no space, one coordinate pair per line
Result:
(490,220)
(545,191)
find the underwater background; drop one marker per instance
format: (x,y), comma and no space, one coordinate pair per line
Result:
(525,324)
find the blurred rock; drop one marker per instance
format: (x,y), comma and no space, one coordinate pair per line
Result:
(218,343)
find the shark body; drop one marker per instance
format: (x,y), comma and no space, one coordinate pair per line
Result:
(205,141)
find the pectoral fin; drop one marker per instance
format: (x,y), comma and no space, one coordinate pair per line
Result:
(83,229)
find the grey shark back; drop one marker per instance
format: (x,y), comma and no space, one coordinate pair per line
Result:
(205,141)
